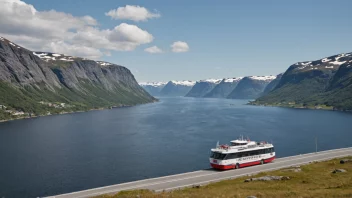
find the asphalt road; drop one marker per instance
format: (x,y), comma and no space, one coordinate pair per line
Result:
(202,177)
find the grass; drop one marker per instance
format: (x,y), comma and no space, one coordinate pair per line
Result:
(315,180)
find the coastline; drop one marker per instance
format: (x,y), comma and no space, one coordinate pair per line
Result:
(62,113)
(318,107)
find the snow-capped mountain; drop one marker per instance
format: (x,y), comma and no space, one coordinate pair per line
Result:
(224,88)
(153,88)
(177,88)
(53,57)
(203,87)
(250,87)
(326,81)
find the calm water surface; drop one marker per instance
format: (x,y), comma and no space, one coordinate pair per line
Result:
(64,153)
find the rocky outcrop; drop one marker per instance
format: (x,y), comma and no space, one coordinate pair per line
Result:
(339,171)
(203,87)
(345,161)
(268,178)
(224,88)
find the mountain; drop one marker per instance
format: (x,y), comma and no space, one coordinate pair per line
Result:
(224,88)
(323,82)
(250,87)
(177,88)
(203,87)
(32,82)
(272,84)
(153,88)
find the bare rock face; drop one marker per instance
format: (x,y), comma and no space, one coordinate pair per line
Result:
(20,67)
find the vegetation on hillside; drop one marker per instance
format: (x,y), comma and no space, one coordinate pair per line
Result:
(315,180)
(30,99)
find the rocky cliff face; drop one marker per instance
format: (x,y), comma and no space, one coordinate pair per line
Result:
(323,81)
(177,88)
(153,88)
(20,67)
(224,88)
(53,77)
(203,87)
(250,87)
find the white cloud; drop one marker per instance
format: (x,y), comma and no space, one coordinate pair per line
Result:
(132,12)
(153,50)
(179,46)
(64,33)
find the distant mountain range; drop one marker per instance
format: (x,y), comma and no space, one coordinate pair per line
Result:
(153,88)
(224,88)
(34,83)
(169,89)
(238,87)
(325,83)
(203,87)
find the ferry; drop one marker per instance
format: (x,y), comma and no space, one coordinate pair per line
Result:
(241,153)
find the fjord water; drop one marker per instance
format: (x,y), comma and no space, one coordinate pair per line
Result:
(64,153)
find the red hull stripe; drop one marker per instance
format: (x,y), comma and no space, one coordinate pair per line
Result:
(225,167)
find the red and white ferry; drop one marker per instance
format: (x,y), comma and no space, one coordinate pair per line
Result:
(241,153)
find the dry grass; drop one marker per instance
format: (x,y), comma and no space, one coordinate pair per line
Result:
(315,180)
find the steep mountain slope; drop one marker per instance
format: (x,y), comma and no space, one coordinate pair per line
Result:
(339,91)
(272,84)
(177,88)
(224,88)
(322,82)
(153,88)
(32,81)
(250,87)
(203,87)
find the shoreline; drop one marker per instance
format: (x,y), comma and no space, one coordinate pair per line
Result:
(63,113)
(300,107)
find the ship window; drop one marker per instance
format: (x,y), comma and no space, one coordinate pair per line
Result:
(232,156)
(216,155)
(238,144)
(261,151)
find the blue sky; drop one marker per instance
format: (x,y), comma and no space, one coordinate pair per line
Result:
(225,38)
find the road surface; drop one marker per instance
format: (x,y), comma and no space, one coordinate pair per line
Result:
(202,177)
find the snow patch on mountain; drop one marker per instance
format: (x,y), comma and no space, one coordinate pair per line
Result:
(215,81)
(102,63)
(337,62)
(53,57)
(264,78)
(184,83)
(154,84)
(230,80)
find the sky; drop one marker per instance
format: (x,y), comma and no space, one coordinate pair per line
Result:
(162,40)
